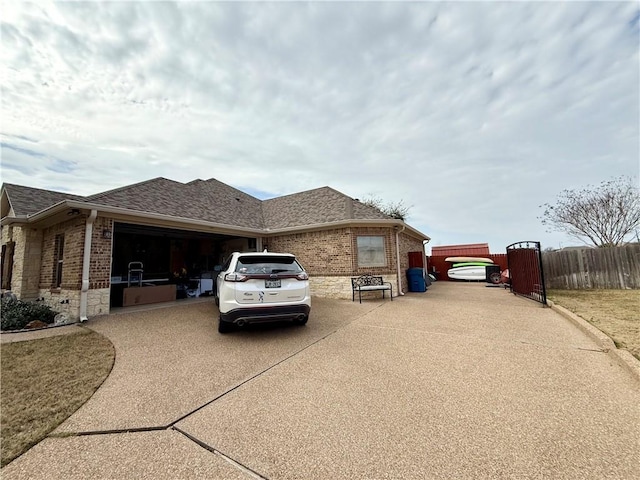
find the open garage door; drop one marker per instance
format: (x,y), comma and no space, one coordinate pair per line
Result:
(181,263)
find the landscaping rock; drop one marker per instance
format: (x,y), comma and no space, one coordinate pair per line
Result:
(62,319)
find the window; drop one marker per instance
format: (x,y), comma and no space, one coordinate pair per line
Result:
(7,264)
(371,252)
(267,264)
(58,255)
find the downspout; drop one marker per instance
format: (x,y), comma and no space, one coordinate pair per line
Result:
(86,259)
(400,292)
(425,259)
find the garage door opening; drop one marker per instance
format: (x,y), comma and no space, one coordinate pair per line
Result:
(154,264)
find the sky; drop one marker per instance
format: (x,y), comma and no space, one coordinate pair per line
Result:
(472,114)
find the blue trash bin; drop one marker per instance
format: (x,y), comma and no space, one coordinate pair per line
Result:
(415,278)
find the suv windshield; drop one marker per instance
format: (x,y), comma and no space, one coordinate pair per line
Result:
(267,265)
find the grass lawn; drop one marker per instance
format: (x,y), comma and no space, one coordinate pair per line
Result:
(614,312)
(44,381)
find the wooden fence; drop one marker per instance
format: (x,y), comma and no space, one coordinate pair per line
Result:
(609,268)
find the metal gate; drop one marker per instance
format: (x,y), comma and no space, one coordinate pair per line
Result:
(525,269)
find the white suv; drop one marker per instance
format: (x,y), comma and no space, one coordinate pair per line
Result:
(262,287)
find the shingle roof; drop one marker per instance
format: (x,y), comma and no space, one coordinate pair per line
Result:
(209,200)
(28,200)
(322,205)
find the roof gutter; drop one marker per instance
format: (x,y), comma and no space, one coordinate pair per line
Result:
(350,223)
(123,213)
(86,260)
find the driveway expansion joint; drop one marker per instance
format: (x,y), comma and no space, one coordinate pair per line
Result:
(227,458)
(108,432)
(253,377)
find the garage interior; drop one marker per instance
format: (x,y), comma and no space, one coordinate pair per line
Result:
(154,264)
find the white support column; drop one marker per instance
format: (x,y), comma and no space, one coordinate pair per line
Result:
(86,260)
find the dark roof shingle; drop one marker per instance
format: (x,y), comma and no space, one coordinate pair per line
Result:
(209,200)
(322,205)
(28,200)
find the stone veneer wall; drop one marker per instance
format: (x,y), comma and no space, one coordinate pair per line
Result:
(26,260)
(68,301)
(15,234)
(5,233)
(9,234)
(340,287)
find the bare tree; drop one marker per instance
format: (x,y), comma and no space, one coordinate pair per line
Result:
(396,210)
(604,215)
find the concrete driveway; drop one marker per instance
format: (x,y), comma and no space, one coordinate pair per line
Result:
(464,381)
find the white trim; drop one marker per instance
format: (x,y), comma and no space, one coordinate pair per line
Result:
(86,259)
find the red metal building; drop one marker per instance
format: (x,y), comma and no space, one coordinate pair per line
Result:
(468,250)
(437,265)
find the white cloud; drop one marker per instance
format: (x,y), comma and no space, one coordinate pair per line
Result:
(474,113)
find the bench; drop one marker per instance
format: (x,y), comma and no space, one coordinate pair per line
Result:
(369,283)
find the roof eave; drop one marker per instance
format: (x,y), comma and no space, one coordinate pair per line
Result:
(374,222)
(6,221)
(149,218)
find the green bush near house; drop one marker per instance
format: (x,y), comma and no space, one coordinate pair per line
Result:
(16,314)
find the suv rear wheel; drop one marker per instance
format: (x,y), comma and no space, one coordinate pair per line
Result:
(225,327)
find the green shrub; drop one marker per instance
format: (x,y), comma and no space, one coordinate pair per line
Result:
(16,313)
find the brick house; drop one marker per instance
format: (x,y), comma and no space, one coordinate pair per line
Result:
(75,253)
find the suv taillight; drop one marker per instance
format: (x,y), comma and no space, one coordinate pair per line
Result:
(235,277)
(302,276)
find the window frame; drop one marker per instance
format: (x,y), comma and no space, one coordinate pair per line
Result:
(7,264)
(58,260)
(362,264)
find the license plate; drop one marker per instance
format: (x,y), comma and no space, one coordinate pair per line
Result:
(272,284)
